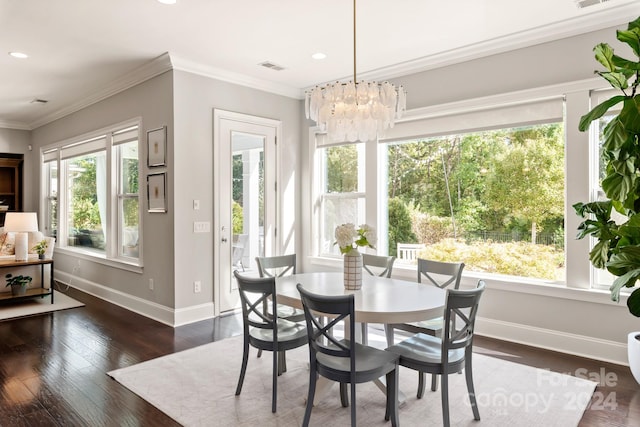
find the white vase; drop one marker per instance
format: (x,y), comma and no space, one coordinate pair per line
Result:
(633,352)
(353,270)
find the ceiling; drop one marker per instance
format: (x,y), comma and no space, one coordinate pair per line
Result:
(80,50)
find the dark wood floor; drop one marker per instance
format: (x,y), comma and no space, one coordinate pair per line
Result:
(53,367)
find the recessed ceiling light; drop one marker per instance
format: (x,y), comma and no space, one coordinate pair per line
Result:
(168,1)
(319,55)
(19,55)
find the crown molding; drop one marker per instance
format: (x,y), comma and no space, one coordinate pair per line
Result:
(7,124)
(145,72)
(592,20)
(193,67)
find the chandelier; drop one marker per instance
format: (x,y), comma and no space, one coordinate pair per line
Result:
(356,110)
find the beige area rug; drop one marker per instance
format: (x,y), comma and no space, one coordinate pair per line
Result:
(30,307)
(196,387)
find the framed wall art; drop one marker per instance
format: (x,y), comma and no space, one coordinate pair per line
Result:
(156,192)
(157,147)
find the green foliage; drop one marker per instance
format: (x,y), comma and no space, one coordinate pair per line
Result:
(237,218)
(431,229)
(618,244)
(342,169)
(400,226)
(18,280)
(527,180)
(513,258)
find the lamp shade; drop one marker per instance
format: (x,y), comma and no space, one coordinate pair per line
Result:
(21,221)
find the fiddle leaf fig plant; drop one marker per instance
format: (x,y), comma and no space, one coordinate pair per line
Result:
(618,241)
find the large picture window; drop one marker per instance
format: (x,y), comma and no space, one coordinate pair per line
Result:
(492,199)
(93,206)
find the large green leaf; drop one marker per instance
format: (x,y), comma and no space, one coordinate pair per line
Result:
(630,37)
(615,135)
(615,79)
(618,187)
(633,302)
(634,24)
(625,260)
(630,114)
(599,255)
(625,66)
(626,280)
(604,55)
(599,111)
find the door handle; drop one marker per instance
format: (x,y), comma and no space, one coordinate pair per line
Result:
(224,240)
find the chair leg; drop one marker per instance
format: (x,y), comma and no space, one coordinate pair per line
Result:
(392,398)
(243,369)
(259,352)
(344,395)
(434,382)
(353,404)
(310,396)
(365,334)
(445,399)
(471,389)
(388,331)
(421,386)
(274,386)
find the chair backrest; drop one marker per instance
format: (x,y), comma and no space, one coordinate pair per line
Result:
(276,266)
(459,318)
(439,273)
(382,265)
(254,293)
(321,336)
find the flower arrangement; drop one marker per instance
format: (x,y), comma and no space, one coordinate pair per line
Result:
(349,238)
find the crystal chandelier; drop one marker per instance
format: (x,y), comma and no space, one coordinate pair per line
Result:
(356,110)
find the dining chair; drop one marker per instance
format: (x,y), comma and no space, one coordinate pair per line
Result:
(265,332)
(436,273)
(375,265)
(278,266)
(344,360)
(449,353)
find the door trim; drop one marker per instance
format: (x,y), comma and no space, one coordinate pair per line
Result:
(273,171)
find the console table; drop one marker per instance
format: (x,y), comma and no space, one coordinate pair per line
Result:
(31,292)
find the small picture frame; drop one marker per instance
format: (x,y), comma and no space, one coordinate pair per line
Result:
(156,192)
(157,147)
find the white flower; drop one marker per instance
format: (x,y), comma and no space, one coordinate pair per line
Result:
(347,235)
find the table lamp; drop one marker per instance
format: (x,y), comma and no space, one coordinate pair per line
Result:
(21,223)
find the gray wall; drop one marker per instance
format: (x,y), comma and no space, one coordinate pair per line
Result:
(151,100)
(195,98)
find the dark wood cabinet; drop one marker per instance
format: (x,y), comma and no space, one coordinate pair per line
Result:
(10,184)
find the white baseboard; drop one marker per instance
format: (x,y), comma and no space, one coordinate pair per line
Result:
(152,310)
(563,342)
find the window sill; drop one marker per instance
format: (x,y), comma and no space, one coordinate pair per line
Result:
(499,283)
(101,259)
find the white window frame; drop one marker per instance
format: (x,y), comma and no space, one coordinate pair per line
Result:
(322,197)
(578,180)
(106,139)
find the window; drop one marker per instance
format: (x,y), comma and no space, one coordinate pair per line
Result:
(494,199)
(51,198)
(483,182)
(92,193)
(341,190)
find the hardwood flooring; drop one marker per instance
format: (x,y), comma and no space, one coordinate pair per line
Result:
(53,367)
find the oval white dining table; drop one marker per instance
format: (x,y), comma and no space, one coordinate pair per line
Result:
(380,300)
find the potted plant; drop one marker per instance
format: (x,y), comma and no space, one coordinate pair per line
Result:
(18,283)
(40,248)
(617,236)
